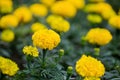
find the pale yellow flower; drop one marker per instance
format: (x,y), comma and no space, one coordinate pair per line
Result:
(94,18)
(30,50)
(37,26)
(7,35)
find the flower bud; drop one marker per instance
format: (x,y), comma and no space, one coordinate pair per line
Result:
(61,52)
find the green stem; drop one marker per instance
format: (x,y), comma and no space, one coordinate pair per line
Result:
(28,61)
(68,77)
(43,58)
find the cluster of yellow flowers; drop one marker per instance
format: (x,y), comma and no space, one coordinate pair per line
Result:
(99,36)
(90,68)
(6,6)
(30,50)
(58,23)
(102,8)
(8,67)
(46,39)
(7,35)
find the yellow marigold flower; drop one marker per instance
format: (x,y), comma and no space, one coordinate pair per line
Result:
(107,14)
(92,8)
(6,6)
(30,50)
(58,23)
(99,36)
(51,18)
(38,26)
(79,4)
(115,22)
(8,67)
(7,35)
(46,39)
(48,2)
(88,66)
(39,9)
(91,78)
(97,0)
(8,21)
(23,14)
(63,8)
(119,12)
(94,18)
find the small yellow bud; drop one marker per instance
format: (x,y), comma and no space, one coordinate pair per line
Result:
(97,51)
(61,52)
(69,69)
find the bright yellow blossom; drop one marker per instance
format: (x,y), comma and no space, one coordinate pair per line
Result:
(8,67)
(48,2)
(37,26)
(91,78)
(8,21)
(79,4)
(39,9)
(88,66)
(115,22)
(99,36)
(46,39)
(23,14)
(94,18)
(58,23)
(6,6)
(7,35)
(63,8)
(30,50)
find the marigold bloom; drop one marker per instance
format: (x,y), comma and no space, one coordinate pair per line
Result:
(8,21)
(91,78)
(39,9)
(79,4)
(46,39)
(48,2)
(99,36)
(30,50)
(23,14)
(8,67)
(7,35)
(94,18)
(88,66)
(6,6)
(37,26)
(63,8)
(58,23)
(115,22)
